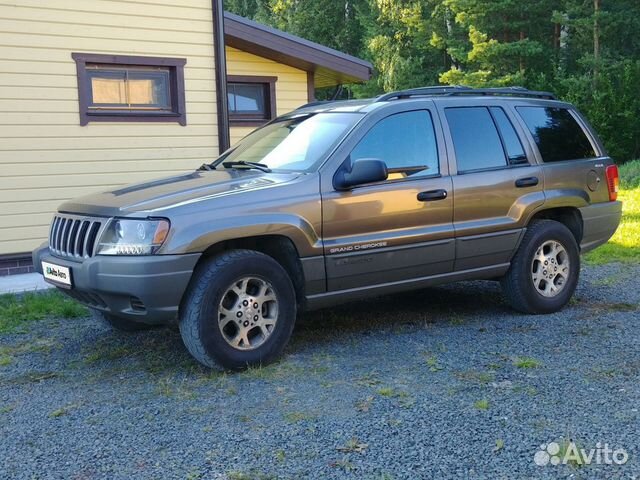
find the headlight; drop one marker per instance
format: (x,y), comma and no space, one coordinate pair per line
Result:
(133,237)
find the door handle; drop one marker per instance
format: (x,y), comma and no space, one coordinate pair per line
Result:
(527,182)
(432,195)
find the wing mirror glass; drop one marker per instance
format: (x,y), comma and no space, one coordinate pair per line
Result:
(361,171)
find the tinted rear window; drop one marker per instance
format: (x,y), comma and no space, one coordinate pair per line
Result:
(475,138)
(512,144)
(558,136)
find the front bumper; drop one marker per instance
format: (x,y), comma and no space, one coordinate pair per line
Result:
(145,289)
(600,221)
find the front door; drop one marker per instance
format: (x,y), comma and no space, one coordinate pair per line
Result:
(400,229)
(496,186)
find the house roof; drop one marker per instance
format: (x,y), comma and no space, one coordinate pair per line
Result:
(330,67)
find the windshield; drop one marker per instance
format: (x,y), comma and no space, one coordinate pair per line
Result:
(297,143)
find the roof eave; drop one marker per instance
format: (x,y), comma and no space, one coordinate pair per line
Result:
(333,66)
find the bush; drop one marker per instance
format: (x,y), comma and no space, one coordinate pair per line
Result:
(630,174)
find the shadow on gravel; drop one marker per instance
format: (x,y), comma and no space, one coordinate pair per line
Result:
(452,304)
(107,353)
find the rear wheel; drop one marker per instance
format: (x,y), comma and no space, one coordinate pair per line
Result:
(239,310)
(120,324)
(544,272)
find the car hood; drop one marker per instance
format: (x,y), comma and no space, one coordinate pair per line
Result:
(158,195)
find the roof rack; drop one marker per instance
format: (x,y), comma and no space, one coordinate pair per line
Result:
(456,90)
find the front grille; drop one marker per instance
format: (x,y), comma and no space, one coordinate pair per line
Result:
(74,236)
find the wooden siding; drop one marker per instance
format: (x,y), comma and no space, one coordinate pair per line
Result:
(45,155)
(291,87)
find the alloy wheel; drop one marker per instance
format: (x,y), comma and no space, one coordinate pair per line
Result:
(247,313)
(550,268)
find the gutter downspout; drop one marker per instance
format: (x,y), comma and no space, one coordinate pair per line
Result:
(217,9)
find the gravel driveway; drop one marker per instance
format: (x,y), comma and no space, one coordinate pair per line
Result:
(441,383)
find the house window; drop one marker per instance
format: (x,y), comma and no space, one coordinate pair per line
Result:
(252,100)
(116,88)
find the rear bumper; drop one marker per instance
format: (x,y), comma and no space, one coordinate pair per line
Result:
(600,222)
(144,289)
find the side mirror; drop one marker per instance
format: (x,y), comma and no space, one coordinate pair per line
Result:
(363,170)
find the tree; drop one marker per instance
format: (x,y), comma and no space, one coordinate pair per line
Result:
(504,46)
(587,51)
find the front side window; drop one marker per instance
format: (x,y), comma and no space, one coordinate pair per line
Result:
(296,143)
(475,138)
(252,99)
(116,88)
(406,142)
(557,133)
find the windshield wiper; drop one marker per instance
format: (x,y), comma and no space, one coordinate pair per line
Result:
(207,167)
(243,164)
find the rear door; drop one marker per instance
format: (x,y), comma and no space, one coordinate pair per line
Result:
(400,229)
(572,159)
(497,183)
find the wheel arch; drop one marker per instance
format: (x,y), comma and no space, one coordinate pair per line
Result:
(570,217)
(279,247)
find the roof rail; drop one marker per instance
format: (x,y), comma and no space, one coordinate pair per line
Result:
(455,90)
(421,91)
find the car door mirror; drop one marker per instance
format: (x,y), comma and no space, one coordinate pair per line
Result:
(361,171)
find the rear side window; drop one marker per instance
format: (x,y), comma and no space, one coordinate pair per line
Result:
(475,138)
(512,144)
(558,135)
(406,142)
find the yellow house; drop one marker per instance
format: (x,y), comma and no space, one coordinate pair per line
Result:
(96,94)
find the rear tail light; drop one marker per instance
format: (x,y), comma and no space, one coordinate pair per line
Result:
(613,182)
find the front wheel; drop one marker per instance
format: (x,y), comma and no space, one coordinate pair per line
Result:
(544,271)
(239,310)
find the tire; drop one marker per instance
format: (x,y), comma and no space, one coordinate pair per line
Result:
(230,302)
(120,324)
(529,283)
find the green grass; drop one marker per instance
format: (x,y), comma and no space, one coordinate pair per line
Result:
(387,392)
(353,446)
(17,310)
(250,475)
(63,410)
(280,455)
(171,387)
(624,246)
(295,417)
(475,376)
(526,362)
(482,404)
(433,364)
(276,371)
